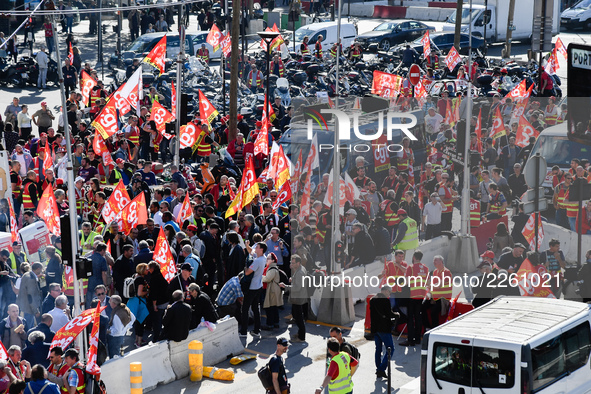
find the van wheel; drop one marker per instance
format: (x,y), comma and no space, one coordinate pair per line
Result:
(385,45)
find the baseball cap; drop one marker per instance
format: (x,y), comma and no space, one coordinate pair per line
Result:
(519,245)
(186,267)
(120,160)
(79,179)
(43,103)
(489,253)
(192,228)
(282,341)
(401,212)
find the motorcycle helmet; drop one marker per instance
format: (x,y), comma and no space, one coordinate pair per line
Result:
(312,69)
(300,77)
(272,79)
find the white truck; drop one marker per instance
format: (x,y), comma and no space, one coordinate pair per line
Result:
(493,17)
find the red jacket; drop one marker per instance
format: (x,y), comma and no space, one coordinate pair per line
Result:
(586,225)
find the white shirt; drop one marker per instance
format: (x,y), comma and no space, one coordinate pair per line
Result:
(42,59)
(158,219)
(21,159)
(433,123)
(433,213)
(60,319)
(117,328)
(258,265)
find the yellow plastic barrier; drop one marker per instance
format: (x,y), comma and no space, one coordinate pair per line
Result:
(196,360)
(135,378)
(218,373)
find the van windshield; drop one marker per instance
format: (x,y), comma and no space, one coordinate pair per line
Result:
(303,32)
(559,150)
(474,366)
(465,16)
(582,5)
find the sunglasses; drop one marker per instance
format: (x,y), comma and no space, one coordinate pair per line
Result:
(100,294)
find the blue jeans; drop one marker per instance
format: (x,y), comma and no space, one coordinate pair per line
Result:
(573,224)
(385,339)
(114,345)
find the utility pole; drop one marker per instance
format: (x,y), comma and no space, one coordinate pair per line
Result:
(119,25)
(232,131)
(458,31)
(71,194)
(179,86)
(507,50)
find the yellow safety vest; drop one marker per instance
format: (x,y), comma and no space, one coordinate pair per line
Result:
(411,238)
(445,290)
(343,383)
(87,243)
(13,260)
(572,207)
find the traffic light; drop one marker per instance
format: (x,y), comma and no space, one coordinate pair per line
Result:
(461,138)
(104,28)
(66,240)
(184,109)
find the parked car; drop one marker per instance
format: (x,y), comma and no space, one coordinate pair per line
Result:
(392,33)
(144,44)
(443,41)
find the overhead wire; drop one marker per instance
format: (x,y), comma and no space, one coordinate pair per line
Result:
(29,14)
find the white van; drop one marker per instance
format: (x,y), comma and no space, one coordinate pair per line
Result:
(511,345)
(328,30)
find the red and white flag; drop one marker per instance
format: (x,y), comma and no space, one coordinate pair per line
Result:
(163,256)
(261,144)
(214,37)
(283,196)
(295,180)
(311,162)
(13,223)
(552,64)
(133,214)
(529,231)
(189,133)
(47,210)
(527,284)
(247,190)
(116,202)
(88,83)
(100,148)
(519,91)
(452,59)
(426,42)
(65,335)
(161,116)
(186,211)
(71,54)
(133,90)
(386,84)
(48,159)
(206,110)
(172,100)
(524,131)
(91,359)
(226,44)
(106,122)
(3,352)
(157,55)
(560,48)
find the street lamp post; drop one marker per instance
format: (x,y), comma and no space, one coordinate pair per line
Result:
(268,37)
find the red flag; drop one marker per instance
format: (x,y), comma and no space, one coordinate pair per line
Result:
(524,131)
(248,189)
(3,352)
(47,210)
(65,335)
(530,229)
(426,42)
(478,130)
(452,307)
(109,246)
(498,129)
(386,84)
(160,116)
(13,223)
(172,100)
(560,48)
(185,212)
(310,164)
(295,180)
(133,214)
(71,54)
(281,169)
(526,274)
(163,256)
(261,145)
(552,65)
(214,37)
(421,93)
(106,121)
(519,90)
(157,55)
(48,159)
(189,134)
(206,110)
(116,202)
(226,44)
(100,148)
(284,195)
(272,115)
(87,85)
(121,102)
(452,59)
(520,106)
(91,359)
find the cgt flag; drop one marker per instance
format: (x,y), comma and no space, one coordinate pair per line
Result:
(207,112)
(172,100)
(133,214)
(189,134)
(452,59)
(91,364)
(529,231)
(163,256)
(47,210)
(498,128)
(106,123)
(261,144)
(65,335)
(116,202)
(86,87)
(185,212)
(386,84)
(157,55)
(214,37)
(13,224)
(247,190)
(426,42)
(160,116)
(524,131)
(283,196)
(528,275)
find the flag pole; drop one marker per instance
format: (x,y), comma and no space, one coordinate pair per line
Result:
(179,87)
(71,193)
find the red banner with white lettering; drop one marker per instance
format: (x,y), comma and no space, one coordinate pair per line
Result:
(426,42)
(207,111)
(157,55)
(381,157)
(120,102)
(65,335)
(524,131)
(172,100)
(13,223)
(48,158)
(106,121)
(226,44)
(247,190)
(519,91)
(185,212)
(214,37)
(283,196)
(452,59)
(385,84)
(530,229)
(91,358)
(498,127)
(189,134)
(86,87)
(71,54)
(261,144)
(47,210)
(529,281)
(560,48)
(133,214)
(116,202)
(163,256)
(3,352)
(100,148)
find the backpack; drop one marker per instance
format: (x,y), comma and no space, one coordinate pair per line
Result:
(129,286)
(266,377)
(354,351)
(40,391)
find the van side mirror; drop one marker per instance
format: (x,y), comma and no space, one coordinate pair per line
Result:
(479,22)
(487,17)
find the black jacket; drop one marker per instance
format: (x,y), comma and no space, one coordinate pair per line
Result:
(202,308)
(158,289)
(212,248)
(363,248)
(381,314)
(123,268)
(38,352)
(176,284)
(176,321)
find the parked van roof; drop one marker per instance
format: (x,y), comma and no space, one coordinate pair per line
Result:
(323,25)
(512,319)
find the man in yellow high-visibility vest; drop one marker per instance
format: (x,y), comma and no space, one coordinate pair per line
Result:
(341,370)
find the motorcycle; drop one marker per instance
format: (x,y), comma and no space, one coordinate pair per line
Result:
(9,75)
(52,73)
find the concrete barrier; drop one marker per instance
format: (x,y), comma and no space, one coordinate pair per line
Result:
(217,346)
(362,10)
(568,241)
(156,368)
(442,4)
(427,13)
